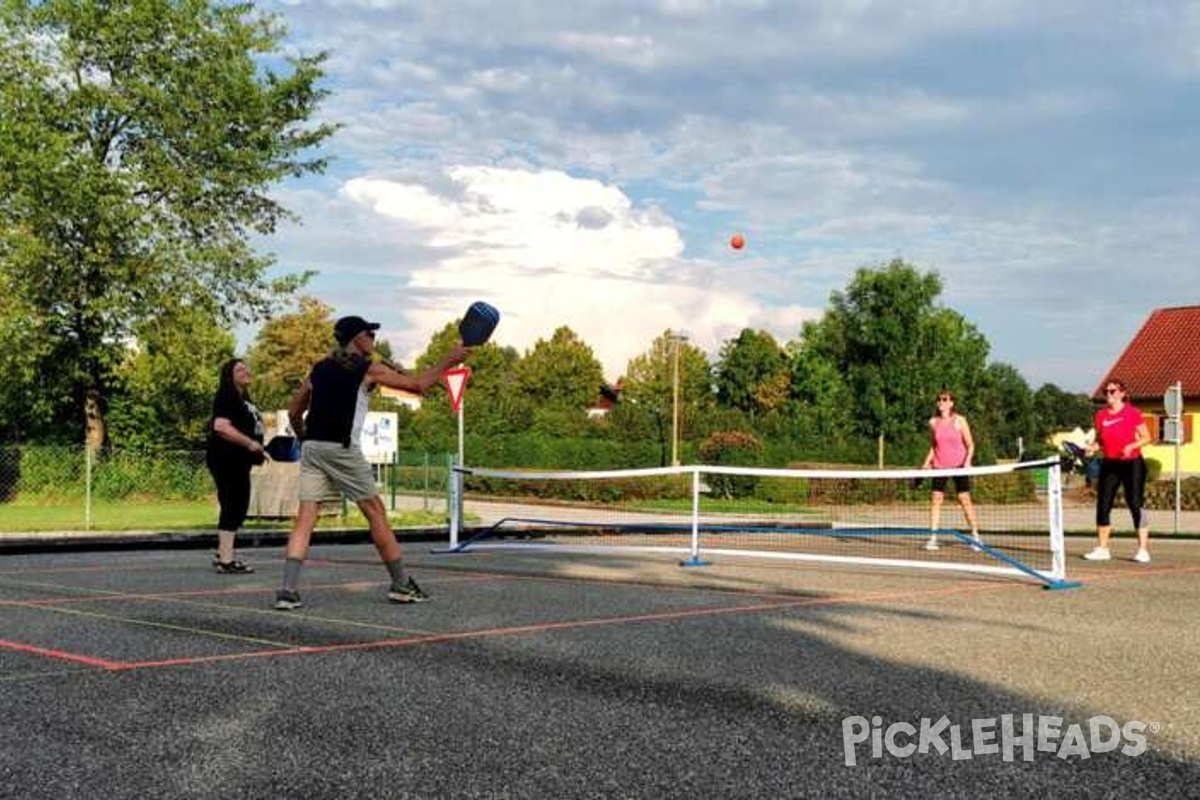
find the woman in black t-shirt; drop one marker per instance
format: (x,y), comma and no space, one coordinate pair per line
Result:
(235,444)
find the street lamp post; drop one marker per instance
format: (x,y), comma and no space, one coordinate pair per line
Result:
(676,338)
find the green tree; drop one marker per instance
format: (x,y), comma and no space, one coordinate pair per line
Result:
(820,406)
(752,373)
(138,142)
(896,347)
(1058,410)
(440,343)
(25,360)
(559,379)
(1002,415)
(496,405)
(285,349)
(650,387)
(165,385)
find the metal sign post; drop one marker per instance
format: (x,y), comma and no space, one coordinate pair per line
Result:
(456,383)
(1173,404)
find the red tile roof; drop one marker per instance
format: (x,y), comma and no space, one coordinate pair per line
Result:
(1165,350)
(603,404)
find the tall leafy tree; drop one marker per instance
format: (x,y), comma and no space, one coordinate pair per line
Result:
(496,406)
(285,349)
(1059,410)
(649,387)
(547,391)
(821,405)
(138,142)
(165,384)
(752,373)
(1004,421)
(896,347)
(560,378)
(24,359)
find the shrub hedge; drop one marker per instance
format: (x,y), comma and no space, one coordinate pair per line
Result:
(1161,494)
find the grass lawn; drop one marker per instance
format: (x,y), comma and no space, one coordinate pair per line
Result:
(161,515)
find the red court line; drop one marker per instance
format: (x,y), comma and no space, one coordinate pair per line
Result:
(972,587)
(117,665)
(969,587)
(61,655)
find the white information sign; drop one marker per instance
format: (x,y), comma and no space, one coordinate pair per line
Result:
(1173,401)
(380,436)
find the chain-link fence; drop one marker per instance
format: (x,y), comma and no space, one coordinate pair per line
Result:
(68,489)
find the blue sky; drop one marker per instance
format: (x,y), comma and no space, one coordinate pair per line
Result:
(585,164)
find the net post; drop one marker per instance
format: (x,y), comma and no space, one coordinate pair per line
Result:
(1058,547)
(455,503)
(694,559)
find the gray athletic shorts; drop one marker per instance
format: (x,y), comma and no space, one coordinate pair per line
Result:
(327,468)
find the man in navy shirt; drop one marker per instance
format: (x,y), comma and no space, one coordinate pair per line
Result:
(327,413)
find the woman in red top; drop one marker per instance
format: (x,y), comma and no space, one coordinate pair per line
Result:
(1121,433)
(951,446)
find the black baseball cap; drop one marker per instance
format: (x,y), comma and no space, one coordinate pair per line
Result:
(346,328)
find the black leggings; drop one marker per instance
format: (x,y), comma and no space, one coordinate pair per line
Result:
(1130,475)
(233,493)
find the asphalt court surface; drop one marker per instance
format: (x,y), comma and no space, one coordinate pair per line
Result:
(144,674)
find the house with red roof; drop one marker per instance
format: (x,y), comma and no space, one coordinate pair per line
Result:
(606,401)
(1164,352)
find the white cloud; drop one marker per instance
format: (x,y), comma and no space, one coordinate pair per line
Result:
(1037,155)
(549,249)
(501,80)
(632,51)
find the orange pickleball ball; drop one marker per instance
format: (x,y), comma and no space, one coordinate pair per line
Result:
(737,242)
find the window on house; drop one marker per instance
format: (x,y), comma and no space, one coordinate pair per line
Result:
(1160,428)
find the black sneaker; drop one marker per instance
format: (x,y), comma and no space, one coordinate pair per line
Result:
(408,593)
(286,600)
(234,568)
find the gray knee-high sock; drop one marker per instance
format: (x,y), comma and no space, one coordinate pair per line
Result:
(396,570)
(291,573)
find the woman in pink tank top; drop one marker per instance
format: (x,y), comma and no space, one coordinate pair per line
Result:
(951,447)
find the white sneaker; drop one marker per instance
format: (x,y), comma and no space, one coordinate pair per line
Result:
(1098,554)
(1142,556)
(932,544)
(975,545)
